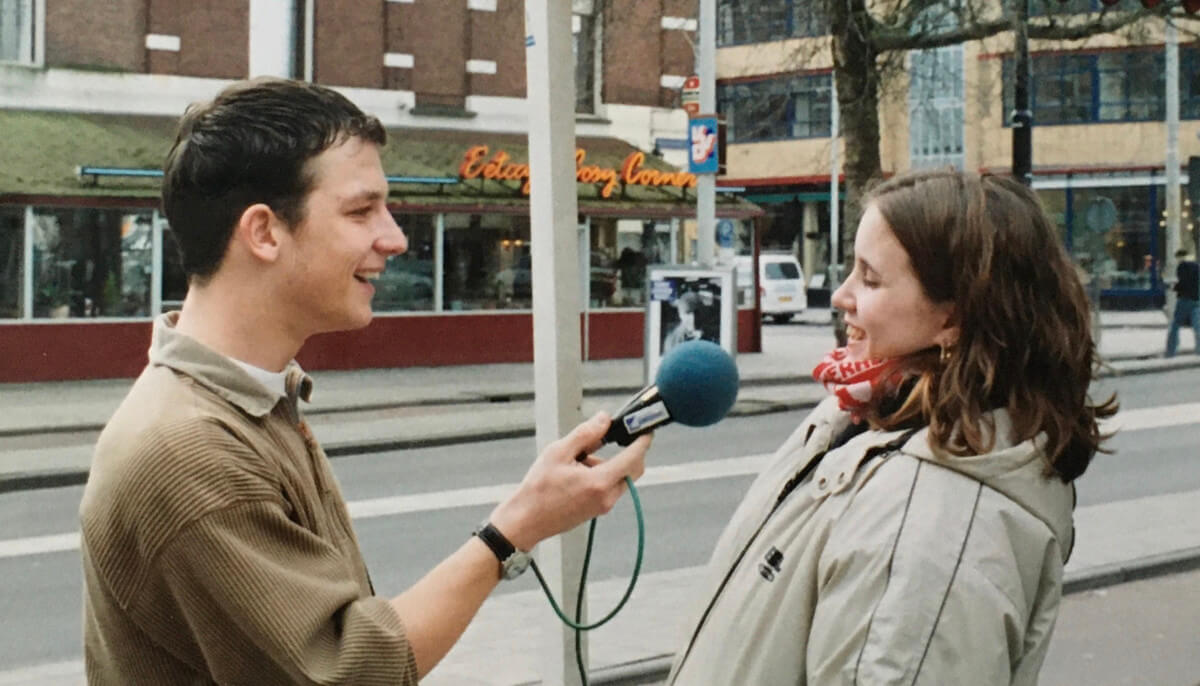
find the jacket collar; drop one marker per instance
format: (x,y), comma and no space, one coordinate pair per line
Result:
(1018,470)
(219,374)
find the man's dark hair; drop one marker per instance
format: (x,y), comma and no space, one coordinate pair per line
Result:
(250,145)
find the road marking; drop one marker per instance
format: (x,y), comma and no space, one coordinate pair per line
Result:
(1128,420)
(69,672)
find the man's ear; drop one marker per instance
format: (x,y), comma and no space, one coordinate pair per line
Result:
(259,231)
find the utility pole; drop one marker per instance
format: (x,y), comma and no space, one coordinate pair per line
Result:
(1172,161)
(553,214)
(706,184)
(1022,114)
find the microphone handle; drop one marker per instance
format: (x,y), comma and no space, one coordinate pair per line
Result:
(644,413)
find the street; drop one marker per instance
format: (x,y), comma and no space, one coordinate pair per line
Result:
(414,507)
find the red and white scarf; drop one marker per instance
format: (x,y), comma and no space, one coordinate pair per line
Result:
(857,383)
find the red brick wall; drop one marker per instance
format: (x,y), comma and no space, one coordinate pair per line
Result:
(399,28)
(440,53)
(632,52)
(96,34)
(499,36)
(348,44)
(214,38)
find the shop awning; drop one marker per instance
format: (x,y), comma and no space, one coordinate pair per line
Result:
(41,154)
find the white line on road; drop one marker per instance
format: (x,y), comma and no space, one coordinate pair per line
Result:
(1128,420)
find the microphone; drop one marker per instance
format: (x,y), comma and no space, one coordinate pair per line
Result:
(696,385)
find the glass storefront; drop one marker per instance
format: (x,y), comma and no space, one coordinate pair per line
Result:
(406,285)
(12,261)
(91,262)
(487,263)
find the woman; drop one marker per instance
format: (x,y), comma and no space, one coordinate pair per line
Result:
(914,528)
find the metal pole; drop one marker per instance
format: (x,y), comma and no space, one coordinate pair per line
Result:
(553,213)
(835,234)
(706,184)
(1172,162)
(1022,115)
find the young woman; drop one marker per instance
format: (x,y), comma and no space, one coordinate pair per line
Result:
(914,528)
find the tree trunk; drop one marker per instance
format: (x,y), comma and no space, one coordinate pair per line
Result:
(857,74)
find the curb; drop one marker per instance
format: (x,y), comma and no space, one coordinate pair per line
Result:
(42,479)
(1143,364)
(654,670)
(59,478)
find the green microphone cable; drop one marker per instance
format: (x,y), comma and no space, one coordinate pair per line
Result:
(587,558)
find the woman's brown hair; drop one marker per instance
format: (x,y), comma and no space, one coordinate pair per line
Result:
(1025,343)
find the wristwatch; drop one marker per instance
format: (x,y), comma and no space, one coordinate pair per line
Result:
(513,562)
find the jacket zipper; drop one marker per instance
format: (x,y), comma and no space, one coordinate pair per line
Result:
(788,487)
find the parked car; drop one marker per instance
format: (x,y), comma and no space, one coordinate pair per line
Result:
(781,284)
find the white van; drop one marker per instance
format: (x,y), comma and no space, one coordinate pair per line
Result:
(781,284)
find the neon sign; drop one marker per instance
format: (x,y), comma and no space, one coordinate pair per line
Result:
(499,167)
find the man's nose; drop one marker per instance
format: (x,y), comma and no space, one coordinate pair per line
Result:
(841,298)
(393,241)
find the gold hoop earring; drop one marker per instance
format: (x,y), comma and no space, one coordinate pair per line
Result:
(944,357)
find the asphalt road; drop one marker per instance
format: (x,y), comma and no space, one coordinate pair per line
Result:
(40,597)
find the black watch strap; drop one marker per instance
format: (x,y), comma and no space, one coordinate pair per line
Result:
(501,546)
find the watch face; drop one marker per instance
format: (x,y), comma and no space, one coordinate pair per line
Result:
(516,564)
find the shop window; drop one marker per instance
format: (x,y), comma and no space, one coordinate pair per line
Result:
(622,249)
(759,21)
(406,285)
(796,106)
(12,261)
(1125,256)
(16,31)
(92,263)
(487,264)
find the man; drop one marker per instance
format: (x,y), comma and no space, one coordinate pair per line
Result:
(216,544)
(1187,302)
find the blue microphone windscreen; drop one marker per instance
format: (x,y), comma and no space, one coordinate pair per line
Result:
(698,383)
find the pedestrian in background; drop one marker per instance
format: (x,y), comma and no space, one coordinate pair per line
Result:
(217,547)
(914,528)
(1187,303)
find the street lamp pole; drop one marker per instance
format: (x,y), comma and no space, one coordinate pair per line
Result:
(1022,114)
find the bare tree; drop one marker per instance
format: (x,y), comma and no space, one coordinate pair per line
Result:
(869,40)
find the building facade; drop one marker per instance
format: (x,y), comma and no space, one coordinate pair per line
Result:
(89,93)
(1099,132)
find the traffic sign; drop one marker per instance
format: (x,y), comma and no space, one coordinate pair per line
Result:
(690,96)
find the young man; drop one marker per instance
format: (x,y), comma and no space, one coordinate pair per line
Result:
(216,544)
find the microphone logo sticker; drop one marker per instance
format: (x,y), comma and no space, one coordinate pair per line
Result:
(646,418)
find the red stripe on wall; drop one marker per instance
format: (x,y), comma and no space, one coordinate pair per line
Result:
(70,351)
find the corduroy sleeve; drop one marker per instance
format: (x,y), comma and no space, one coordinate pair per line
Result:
(268,602)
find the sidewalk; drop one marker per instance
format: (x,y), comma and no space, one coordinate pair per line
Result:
(48,429)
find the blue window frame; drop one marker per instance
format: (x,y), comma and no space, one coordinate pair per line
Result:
(759,21)
(1126,86)
(779,108)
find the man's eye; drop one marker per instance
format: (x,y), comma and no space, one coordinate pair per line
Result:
(361,211)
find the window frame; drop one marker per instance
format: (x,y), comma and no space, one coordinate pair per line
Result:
(1095,103)
(790,86)
(799,19)
(33,52)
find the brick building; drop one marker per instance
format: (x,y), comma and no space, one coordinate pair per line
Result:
(89,92)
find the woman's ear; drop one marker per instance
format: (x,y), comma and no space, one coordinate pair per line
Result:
(259,232)
(948,336)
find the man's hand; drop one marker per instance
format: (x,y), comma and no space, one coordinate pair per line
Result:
(559,492)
